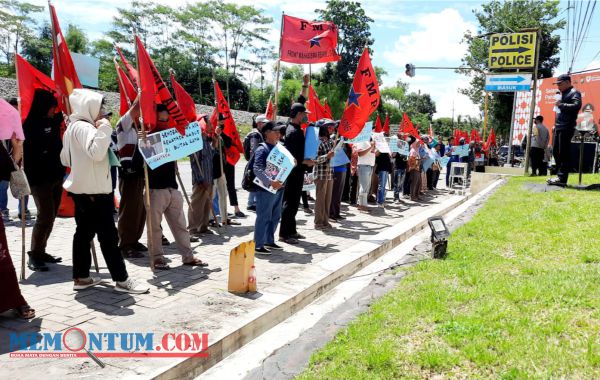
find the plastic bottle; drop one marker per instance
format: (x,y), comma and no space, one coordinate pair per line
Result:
(252,279)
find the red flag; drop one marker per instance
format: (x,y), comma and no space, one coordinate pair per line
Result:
(362,100)
(65,75)
(184,100)
(134,77)
(386,124)
(328,109)
(229,128)
(126,90)
(378,127)
(407,127)
(270,112)
(305,41)
(28,80)
(154,91)
(317,111)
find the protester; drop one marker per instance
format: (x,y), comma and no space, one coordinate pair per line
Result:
(408,178)
(44,172)
(166,199)
(400,163)
(229,171)
(219,181)
(294,142)
(11,294)
(383,167)
(4,184)
(86,151)
(251,142)
(323,174)
(339,181)
(366,161)
(453,158)
(539,143)
(354,185)
(202,181)
(268,205)
(414,170)
(564,127)
(437,165)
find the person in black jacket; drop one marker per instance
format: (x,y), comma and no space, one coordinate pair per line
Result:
(44,172)
(564,127)
(294,142)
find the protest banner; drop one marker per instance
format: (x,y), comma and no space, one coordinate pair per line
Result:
(280,163)
(444,161)
(311,145)
(380,143)
(364,135)
(309,182)
(169,145)
(339,158)
(460,150)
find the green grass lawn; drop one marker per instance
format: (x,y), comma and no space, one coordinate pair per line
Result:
(517,298)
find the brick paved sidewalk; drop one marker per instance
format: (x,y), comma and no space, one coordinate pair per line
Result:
(181,298)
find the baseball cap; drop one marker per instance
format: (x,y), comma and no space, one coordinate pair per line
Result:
(270,126)
(297,107)
(261,119)
(562,78)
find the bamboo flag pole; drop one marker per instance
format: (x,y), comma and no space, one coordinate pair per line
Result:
(278,67)
(146,180)
(22,210)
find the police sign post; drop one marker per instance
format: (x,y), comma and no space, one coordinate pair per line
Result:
(512,50)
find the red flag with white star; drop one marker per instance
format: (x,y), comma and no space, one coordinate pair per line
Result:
(305,41)
(363,98)
(407,127)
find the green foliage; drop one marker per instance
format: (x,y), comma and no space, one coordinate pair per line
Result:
(76,39)
(353,35)
(16,24)
(107,76)
(37,49)
(503,17)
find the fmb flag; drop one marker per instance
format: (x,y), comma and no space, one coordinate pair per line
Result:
(229,128)
(362,100)
(30,79)
(127,92)
(184,99)
(408,127)
(305,41)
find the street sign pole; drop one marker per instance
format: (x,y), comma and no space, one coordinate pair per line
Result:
(533,96)
(512,129)
(485,114)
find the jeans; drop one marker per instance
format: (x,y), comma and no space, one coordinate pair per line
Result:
(398,182)
(268,214)
(252,198)
(94,216)
(381,190)
(364,179)
(3,195)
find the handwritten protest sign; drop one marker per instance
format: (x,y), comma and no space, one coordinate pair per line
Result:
(311,145)
(364,135)
(399,146)
(380,142)
(280,163)
(460,150)
(166,146)
(309,182)
(444,161)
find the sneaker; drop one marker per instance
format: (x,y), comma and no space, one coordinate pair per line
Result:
(131,286)
(251,208)
(262,251)
(274,246)
(298,236)
(194,238)
(165,241)
(240,214)
(47,258)
(289,240)
(36,264)
(308,211)
(84,283)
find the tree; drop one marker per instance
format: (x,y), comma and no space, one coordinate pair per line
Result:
(37,50)
(16,24)
(417,103)
(354,33)
(503,17)
(107,76)
(76,39)
(396,94)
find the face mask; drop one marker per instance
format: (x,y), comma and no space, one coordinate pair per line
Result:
(304,119)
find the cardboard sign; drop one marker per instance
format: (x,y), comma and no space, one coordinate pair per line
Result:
(280,163)
(166,146)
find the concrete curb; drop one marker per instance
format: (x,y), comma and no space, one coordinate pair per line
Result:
(340,267)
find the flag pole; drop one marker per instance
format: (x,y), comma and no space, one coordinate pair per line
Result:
(22,198)
(146,180)
(278,68)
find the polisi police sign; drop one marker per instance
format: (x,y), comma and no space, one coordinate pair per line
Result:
(512,50)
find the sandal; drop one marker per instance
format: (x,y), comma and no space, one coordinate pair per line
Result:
(233,223)
(26,312)
(131,253)
(161,265)
(196,263)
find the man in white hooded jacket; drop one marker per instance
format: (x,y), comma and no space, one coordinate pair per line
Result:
(86,151)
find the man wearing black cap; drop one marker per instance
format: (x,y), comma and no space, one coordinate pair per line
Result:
(294,142)
(564,127)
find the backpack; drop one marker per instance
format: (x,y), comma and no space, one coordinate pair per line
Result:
(249,176)
(247,146)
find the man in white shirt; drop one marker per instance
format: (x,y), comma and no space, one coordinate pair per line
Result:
(366,161)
